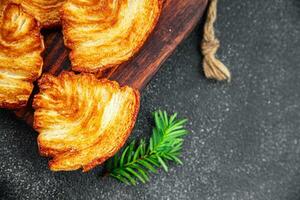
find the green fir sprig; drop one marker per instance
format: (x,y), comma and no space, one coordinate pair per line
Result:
(138,159)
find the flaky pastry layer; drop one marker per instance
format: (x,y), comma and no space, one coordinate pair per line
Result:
(82,121)
(105,33)
(21,45)
(45,11)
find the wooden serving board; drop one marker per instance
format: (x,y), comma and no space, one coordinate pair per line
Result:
(177,20)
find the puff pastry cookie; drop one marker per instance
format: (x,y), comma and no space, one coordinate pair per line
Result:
(82,121)
(21,63)
(105,33)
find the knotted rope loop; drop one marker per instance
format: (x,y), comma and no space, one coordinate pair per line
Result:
(213,68)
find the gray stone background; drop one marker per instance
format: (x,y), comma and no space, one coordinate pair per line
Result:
(245,136)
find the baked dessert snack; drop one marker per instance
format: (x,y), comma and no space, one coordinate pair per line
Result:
(21,45)
(82,121)
(45,11)
(105,33)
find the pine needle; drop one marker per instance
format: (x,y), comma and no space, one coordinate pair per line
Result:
(137,160)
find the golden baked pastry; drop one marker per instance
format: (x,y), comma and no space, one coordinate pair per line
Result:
(21,63)
(104,33)
(3,4)
(82,121)
(45,11)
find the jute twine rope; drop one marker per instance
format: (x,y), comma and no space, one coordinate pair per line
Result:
(213,68)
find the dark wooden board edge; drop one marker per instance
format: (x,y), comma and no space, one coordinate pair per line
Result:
(168,34)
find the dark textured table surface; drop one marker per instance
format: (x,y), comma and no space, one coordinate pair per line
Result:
(245,135)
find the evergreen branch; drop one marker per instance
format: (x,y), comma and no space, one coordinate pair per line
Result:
(137,160)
